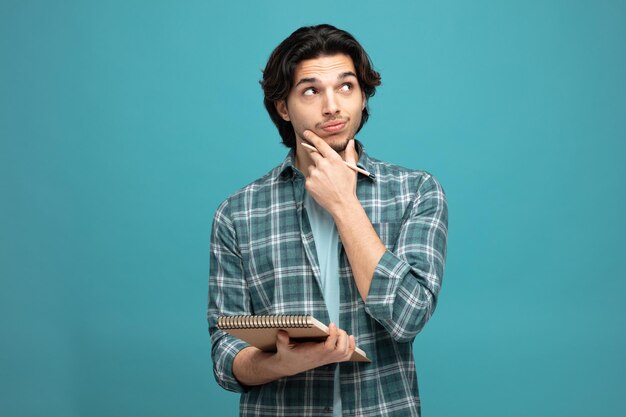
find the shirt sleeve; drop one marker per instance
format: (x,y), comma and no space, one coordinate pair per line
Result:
(406,282)
(228,295)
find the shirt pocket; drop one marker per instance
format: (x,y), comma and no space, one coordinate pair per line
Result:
(388,232)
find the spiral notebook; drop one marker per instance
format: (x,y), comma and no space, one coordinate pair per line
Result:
(260,331)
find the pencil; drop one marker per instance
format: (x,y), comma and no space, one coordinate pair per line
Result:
(348,164)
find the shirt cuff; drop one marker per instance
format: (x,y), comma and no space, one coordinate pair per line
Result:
(387,277)
(223,365)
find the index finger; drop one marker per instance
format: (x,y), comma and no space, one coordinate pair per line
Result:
(321,145)
(315,156)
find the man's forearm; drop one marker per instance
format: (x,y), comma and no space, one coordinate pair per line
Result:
(255,367)
(361,242)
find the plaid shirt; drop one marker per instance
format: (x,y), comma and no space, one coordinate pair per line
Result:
(263,261)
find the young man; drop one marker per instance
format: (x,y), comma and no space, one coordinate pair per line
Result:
(314,237)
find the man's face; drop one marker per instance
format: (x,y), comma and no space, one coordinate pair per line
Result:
(326,99)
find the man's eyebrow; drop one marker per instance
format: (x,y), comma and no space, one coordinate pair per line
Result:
(306,80)
(313,80)
(346,75)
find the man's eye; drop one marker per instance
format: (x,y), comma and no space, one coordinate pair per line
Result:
(346,87)
(309,91)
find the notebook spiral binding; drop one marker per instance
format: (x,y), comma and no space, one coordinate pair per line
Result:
(264,321)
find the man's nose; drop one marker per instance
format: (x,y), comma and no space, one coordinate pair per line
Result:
(330,106)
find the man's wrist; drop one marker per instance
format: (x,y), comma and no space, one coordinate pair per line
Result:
(346,209)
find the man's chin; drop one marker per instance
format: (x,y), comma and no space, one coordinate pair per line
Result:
(338,144)
(339,147)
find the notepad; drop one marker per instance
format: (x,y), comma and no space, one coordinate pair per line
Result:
(260,331)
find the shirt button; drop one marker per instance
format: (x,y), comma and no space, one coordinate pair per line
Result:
(328,410)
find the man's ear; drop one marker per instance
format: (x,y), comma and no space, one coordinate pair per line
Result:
(281,108)
(364,101)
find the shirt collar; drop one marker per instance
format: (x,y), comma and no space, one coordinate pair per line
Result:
(288,166)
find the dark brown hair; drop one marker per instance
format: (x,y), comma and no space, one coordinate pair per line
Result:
(311,42)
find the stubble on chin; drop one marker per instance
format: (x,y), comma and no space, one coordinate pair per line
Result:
(339,146)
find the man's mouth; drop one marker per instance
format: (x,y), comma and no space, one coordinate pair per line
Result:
(333,126)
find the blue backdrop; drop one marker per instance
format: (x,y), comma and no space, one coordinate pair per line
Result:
(124,124)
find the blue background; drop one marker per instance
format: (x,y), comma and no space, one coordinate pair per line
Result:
(124,124)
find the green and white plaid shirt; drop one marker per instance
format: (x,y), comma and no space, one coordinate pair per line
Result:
(263,261)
